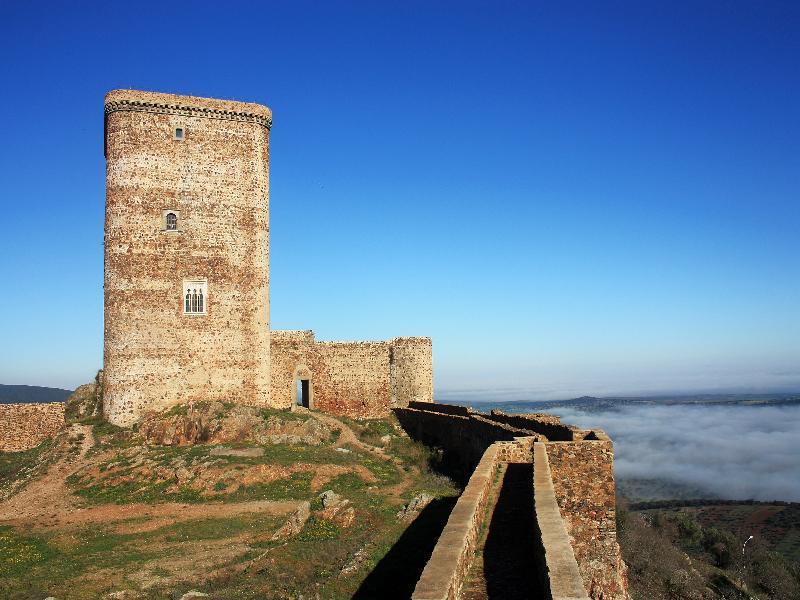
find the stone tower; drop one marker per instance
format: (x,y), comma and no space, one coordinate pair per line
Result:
(186,252)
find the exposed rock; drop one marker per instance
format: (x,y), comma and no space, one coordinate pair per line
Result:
(345,518)
(194,595)
(330,499)
(343,450)
(175,430)
(295,523)
(82,403)
(244,452)
(385,439)
(337,509)
(217,423)
(122,595)
(355,563)
(410,511)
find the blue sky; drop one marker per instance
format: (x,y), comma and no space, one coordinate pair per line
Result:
(569,198)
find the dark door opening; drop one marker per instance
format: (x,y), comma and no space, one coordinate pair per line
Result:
(304,393)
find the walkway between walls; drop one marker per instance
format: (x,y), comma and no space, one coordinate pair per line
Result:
(505,561)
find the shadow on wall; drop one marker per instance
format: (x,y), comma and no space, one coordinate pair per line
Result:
(511,555)
(396,575)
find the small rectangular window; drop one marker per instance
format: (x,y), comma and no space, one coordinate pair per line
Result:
(179,133)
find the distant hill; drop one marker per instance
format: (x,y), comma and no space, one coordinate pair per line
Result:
(593,404)
(10,394)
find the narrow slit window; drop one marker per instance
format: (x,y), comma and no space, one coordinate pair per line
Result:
(179,133)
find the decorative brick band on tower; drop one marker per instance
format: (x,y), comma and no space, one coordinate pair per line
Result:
(186,252)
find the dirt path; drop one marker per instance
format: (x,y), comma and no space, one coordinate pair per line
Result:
(48,502)
(349,437)
(48,495)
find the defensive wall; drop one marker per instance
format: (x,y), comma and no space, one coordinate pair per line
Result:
(24,426)
(356,379)
(574,494)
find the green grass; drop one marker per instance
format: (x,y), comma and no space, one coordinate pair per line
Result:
(217,528)
(14,465)
(88,562)
(283,415)
(295,487)
(36,567)
(130,492)
(318,529)
(19,553)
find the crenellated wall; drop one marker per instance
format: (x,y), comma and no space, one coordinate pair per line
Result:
(25,426)
(356,379)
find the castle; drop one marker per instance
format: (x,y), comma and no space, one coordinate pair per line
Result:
(186,298)
(187,319)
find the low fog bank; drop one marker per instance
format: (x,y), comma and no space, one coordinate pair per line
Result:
(735,452)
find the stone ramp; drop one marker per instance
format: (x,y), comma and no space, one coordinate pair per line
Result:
(506,557)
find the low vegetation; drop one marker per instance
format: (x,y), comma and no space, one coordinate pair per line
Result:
(671,554)
(201,511)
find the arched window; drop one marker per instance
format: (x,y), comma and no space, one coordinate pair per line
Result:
(195,296)
(172,221)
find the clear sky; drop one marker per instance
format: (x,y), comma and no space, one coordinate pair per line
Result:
(570,198)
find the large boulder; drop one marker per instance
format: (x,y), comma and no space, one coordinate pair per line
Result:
(218,423)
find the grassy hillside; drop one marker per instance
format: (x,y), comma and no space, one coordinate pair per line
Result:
(234,501)
(776,524)
(684,553)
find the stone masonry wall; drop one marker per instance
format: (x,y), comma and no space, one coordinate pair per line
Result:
(216,180)
(355,379)
(412,370)
(25,426)
(464,439)
(583,479)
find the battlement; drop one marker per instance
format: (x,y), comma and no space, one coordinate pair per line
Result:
(161,103)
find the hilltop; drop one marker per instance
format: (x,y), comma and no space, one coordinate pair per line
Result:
(241,501)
